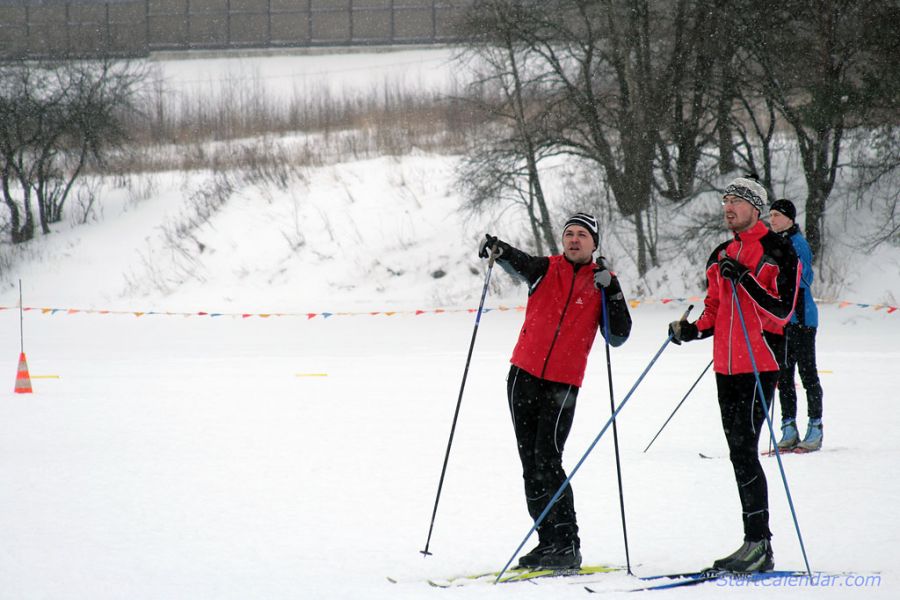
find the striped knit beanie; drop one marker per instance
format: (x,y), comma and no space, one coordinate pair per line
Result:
(588,222)
(750,190)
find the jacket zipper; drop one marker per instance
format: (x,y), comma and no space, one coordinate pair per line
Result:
(559,326)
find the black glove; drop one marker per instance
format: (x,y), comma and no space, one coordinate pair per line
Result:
(682,331)
(490,242)
(732,269)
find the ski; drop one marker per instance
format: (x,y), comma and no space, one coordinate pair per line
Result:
(676,580)
(768,453)
(516,575)
(682,580)
(788,451)
(732,579)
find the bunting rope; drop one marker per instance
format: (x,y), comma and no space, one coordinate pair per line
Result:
(635,303)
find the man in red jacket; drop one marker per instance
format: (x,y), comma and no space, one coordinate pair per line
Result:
(563,314)
(763,269)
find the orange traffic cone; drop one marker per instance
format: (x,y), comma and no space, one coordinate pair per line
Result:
(23,379)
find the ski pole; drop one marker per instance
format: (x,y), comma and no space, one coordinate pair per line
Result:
(679,405)
(762,397)
(462,387)
(771,417)
(612,410)
(21,321)
(565,483)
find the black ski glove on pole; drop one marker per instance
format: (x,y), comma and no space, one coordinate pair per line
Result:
(732,269)
(682,331)
(491,241)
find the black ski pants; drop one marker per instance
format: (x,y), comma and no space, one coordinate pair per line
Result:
(542,412)
(800,351)
(743,416)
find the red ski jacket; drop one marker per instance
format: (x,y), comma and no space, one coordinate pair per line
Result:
(563,314)
(766,296)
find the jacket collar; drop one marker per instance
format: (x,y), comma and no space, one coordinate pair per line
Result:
(753,234)
(790,231)
(575,267)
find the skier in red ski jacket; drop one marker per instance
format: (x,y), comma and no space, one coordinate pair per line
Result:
(562,316)
(763,268)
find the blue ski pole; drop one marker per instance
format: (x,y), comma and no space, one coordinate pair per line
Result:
(762,397)
(565,483)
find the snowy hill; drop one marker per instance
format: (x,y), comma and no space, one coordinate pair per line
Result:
(375,234)
(352,236)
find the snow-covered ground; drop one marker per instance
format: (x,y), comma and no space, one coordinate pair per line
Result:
(274,453)
(286,457)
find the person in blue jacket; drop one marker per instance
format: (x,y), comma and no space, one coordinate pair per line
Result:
(800,341)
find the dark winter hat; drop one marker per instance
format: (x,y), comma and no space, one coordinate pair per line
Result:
(588,222)
(785,207)
(750,190)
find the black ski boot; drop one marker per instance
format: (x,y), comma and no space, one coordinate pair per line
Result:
(562,557)
(532,560)
(751,557)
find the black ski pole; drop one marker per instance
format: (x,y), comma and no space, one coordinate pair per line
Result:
(612,410)
(562,488)
(762,397)
(462,387)
(679,405)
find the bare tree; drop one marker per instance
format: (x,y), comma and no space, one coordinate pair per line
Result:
(822,67)
(55,117)
(754,122)
(690,94)
(503,164)
(875,158)
(625,85)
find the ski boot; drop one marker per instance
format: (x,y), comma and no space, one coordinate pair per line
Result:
(789,435)
(813,439)
(562,557)
(532,560)
(751,557)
